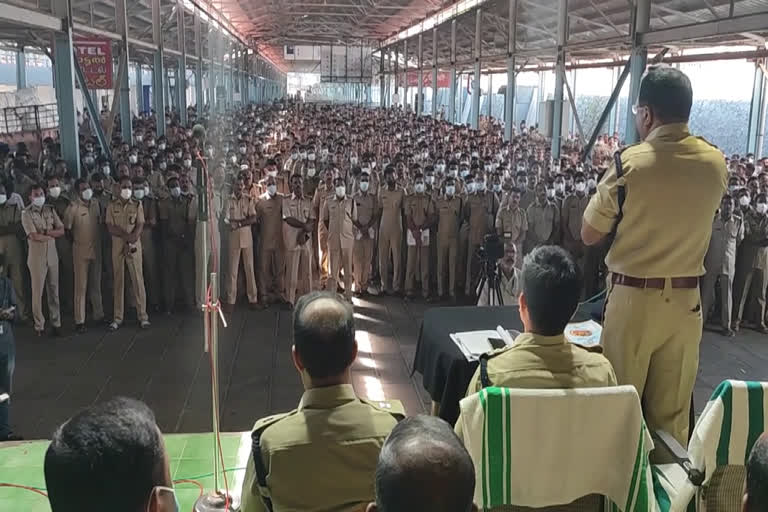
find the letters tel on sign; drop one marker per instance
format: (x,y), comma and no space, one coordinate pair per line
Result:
(94,55)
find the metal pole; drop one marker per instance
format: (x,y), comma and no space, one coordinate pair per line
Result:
(396,77)
(638,60)
(140,89)
(126,126)
(434,73)
(509,104)
(420,88)
(181,75)
(21,68)
(64,75)
(562,37)
(755,109)
(405,74)
(382,101)
(574,113)
(761,126)
(158,72)
(612,118)
(606,112)
(452,88)
(474,114)
(490,96)
(199,65)
(211,67)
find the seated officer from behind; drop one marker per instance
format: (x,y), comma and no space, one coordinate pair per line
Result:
(321,456)
(756,486)
(541,357)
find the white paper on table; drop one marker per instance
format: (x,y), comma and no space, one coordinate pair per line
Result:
(473,344)
(586,334)
(507,335)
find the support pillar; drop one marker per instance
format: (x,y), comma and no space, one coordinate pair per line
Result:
(211,67)
(181,74)
(474,114)
(434,73)
(121,17)
(382,95)
(452,86)
(396,77)
(140,89)
(638,60)
(758,92)
(509,100)
(21,68)
(612,119)
(405,74)
(158,69)
(420,89)
(557,117)
(489,111)
(64,78)
(199,65)
(761,127)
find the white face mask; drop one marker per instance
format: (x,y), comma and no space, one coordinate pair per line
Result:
(38,202)
(311,172)
(139,138)
(86,194)
(480,186)
(303,156)
(126,193)
(591,183)
(580,187)
(744,200)
(138,194)
(161,146)
(133,159)
(497,187)
(233,159)
(550,193)
(294,156)
(311,157)
(54,192)
(471,187)
(559,187)
(364,186)
(176,191)
(762,207)
(430,180)
(450,190)
(341,191)
(187,163)
(272,173)
(271,190)
(353,160)
(3,198)
(419,188)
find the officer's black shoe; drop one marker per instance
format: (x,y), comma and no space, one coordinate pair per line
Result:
(11,437)
(80,328)
(55,332)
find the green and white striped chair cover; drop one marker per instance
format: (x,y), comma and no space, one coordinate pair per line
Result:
(733,419)
(557,449)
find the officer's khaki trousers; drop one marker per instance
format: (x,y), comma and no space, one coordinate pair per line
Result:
(744,284)
(149,261)
(234,264)
(340,257)
(651,337)
(122,258)
(418,261)
(362,262)
(271,271)
(66,272)
(708,297)
(390,245)
(43,263)
(88,279)
(298,269)
(473,269)
(322,242)
(447,249)
(14,262)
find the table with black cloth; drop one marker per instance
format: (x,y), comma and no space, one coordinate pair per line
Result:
(444,368)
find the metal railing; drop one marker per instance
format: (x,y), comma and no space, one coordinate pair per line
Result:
(28,118)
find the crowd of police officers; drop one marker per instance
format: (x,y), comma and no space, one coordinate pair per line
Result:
(346,198)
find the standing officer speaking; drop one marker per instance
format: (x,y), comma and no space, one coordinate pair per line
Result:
(653,317)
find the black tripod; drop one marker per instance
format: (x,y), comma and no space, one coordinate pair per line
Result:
(489,276)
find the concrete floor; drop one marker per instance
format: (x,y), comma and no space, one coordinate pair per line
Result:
(166,367)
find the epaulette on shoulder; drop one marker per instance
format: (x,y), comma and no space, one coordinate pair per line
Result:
(268,421)
(393,407)
(621,151)
(706,141)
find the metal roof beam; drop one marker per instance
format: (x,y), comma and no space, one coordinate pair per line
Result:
(721,27)
(29,17)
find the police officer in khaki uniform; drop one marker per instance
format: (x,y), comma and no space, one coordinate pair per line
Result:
(239,215)
(653,317)
(42,227)
(753,272)
(323,192)
(298,225)
(286,449)
(419,216)
(269,209)
(512,223)
(365,233)
(10,246)
(541,356)
(720,262)
(83,221)
(390,205)
(125,221)
(339,216)
(176,215)
(449,208)
(480,211)
(543,221)
(571,214)
(148,252)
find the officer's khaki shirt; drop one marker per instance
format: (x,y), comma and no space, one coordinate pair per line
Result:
(84,221)
(448,217)
(270,213)
(340,214)
(125,215)
(301,210)
(674,183)
(542,222)
(480,209)
(755,246)
(527,199)
(391,205)
(572,212)
(10,217)
(40,220)
(239,210)
(178,214)
(513,223)
(721,255)
(366,206)
(419,208)
(323,455)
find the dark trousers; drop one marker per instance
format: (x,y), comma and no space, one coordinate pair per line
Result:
(7,365)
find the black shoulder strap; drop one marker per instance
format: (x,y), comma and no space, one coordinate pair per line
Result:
(621,190)
(485,380)
(258,466)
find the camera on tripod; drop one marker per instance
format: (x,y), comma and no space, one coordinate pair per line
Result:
(492,248)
